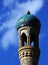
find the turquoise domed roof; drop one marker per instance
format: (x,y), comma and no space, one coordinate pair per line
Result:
(27,20)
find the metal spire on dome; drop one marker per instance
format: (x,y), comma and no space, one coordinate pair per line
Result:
(28,12)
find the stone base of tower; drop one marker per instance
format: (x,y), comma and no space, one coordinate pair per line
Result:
(29,55)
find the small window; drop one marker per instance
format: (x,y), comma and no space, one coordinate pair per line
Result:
(32,44)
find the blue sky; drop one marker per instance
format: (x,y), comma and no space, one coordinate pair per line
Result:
(10,11)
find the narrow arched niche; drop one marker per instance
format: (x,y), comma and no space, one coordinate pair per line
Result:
(32,40)
(24,39)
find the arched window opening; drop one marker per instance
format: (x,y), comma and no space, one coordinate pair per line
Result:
(32,44)
(32,37)
(24,39)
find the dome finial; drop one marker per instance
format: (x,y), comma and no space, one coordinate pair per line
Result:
(28,12)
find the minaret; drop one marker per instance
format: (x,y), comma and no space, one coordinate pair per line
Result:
(28,27)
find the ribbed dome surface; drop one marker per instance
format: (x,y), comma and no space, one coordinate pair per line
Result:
(28,20)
